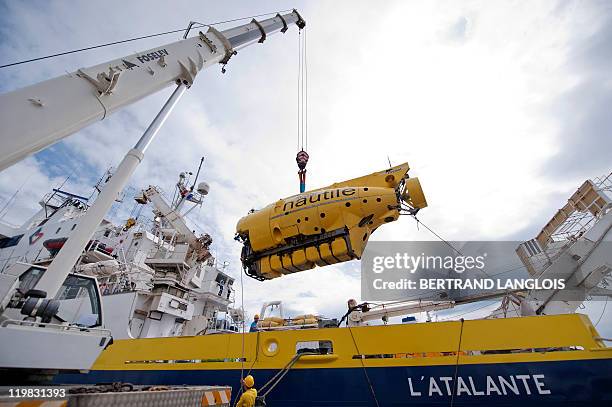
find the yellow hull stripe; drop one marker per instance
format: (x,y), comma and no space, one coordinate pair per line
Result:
(530,339)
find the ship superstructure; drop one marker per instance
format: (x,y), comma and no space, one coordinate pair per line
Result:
(137,302)
(575,245)
(156,276)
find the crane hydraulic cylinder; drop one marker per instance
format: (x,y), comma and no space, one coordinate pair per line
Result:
(325,226)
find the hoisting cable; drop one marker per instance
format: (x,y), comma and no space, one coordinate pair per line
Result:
(302,112)
(108,44)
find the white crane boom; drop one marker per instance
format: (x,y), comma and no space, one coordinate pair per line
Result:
(39,115)
(171,215)
(384,312)
(110,89)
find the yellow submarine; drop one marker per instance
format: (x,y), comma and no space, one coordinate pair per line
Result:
(327,225)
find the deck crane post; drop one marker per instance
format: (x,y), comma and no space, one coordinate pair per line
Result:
(360,315)
(54,277)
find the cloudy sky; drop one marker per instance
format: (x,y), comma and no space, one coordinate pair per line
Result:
(501,109)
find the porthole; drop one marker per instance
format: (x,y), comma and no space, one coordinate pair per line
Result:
(270,347)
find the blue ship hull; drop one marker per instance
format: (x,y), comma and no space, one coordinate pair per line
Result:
(556,383)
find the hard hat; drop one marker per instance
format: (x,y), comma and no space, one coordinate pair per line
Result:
(256,316)
(249,381)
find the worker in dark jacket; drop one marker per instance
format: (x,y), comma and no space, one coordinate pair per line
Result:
(254,324)
(249,395)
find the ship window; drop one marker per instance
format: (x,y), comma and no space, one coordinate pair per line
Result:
(58,230)
(10,241)
(30,278)
(170,361)
(272,347)
(408,355)
(323,347)
(156,315)
(79,303)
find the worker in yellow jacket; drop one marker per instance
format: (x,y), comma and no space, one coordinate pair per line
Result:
(249,395)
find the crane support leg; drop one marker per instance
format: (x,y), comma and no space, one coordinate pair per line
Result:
(69,254)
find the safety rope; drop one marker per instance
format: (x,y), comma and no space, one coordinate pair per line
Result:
(243,333)
(250,368)
(418,221)
(282,373)
(446,242)
(452,402)
(365,371)
(108,44)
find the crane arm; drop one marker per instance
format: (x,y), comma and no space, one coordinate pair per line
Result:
(357,317)
(39,115)
(169,214)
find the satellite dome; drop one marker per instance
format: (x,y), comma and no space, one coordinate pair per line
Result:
(203,188)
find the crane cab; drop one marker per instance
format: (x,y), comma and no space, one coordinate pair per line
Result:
(325,226)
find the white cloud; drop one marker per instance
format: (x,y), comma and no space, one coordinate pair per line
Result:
(459,90)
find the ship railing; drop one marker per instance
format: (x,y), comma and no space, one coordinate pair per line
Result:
(288,327)
(590,203)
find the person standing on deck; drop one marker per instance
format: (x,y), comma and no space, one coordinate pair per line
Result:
(254,324)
